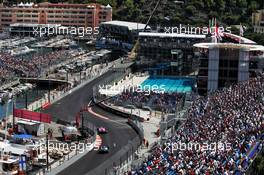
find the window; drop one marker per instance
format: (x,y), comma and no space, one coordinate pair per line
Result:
(234,63)
(222,73)
(6,15)
(223,63)
(233,73)
(6,20)
(204,63)
(253,65)
(203,72)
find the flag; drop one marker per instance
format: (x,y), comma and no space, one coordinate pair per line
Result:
(212,23)
(22,163)
(210,26)
(217,33)
(241,29)
(214,30)
(77,119)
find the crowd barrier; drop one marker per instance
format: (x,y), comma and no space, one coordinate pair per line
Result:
(136,125)
(117,111)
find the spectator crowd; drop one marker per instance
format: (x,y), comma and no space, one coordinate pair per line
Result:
(233,115)
(157,101)
(30,66)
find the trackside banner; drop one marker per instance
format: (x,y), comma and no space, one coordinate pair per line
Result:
(30,115)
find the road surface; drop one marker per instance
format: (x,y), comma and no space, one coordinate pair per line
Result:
(119,132)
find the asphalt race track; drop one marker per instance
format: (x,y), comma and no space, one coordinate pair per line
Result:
(119,132)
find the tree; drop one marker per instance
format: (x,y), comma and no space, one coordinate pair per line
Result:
(129,3)
(113,3)
(190,9)
(242,3)
(253,6)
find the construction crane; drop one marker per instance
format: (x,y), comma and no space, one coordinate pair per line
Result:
(133,53)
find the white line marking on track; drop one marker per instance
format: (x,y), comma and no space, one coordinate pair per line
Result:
(97,115)
(103,117)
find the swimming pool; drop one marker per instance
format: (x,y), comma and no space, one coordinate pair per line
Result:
(180,85)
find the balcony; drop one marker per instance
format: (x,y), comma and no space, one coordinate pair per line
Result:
(256,57)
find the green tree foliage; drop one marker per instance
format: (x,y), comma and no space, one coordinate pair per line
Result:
(113,3)
(190,10)
(195,12)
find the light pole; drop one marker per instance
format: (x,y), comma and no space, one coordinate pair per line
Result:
(47,150)
(80,75)
(6,120)
(26,100)
(49,92)
(14,106)
(67,76)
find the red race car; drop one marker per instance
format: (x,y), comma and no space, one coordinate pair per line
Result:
(102,130)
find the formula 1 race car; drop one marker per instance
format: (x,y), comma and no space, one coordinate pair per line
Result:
(102,130)
(103,149)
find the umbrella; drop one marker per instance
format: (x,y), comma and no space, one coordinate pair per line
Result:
(22,136)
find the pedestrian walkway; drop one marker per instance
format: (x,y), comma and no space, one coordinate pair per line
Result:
(143,113)
(129,81)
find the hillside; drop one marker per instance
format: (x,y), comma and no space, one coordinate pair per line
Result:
(193,12)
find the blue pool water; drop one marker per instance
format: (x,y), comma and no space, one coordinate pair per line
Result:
(180,85)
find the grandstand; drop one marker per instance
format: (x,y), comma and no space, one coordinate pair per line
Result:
(237,135)
(176,51)
(118,35)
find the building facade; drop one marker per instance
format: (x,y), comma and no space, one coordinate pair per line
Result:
(76,15)
(118,34)
(223,64)
(167,54)
(258,21)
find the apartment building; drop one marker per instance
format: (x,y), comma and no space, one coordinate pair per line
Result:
(258,21)
(76,15)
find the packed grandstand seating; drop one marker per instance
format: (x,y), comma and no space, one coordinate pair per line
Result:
(11,66)
(157,101)
(233,116)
